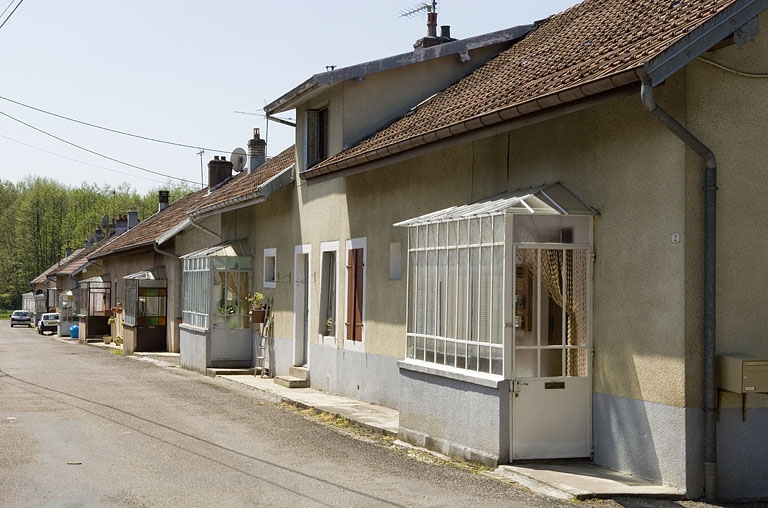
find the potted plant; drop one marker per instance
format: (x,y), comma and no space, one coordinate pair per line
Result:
(258,303)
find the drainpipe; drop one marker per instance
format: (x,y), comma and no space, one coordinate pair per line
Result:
(710,342)
(203,228)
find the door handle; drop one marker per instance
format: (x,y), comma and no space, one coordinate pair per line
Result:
(517,384)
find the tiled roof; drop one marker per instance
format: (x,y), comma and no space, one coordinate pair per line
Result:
(53,269)
(591,47)
(240,186)
(245,184)
(146,231)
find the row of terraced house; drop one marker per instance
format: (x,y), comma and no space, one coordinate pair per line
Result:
(539,243)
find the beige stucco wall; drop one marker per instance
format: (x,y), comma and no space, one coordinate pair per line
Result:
(728,112)
(359,107)
(639,274)
(647,289)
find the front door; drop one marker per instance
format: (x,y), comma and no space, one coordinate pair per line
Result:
(231,338)
(552,380)
(301,307)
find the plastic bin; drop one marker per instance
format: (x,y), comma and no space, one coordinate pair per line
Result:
(74,331)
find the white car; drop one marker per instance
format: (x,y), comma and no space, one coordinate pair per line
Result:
(48,323)
(21,317)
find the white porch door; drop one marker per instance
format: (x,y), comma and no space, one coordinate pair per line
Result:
(551,396)
(231,340)
(301,306)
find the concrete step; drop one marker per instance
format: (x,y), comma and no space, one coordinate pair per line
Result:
(213,372)
(299,372)
(291,382)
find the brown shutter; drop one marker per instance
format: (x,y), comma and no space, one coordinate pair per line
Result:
(354,322)
(312,139)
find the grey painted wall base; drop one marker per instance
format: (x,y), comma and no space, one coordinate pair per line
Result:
(455,417)
(742,452)
(652,441)
(362,376)
(194,349)
(281,354)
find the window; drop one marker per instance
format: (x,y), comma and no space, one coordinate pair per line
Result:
(316,136)
(355,315)
(455,294)
(513,266)
(328,278)
(231,288)
(270,268)
(196,287)
(217,282)
(395,261)
(551,335)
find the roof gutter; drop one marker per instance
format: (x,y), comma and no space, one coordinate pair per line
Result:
(710,268)
(203,228)
(261,194)
(496,122)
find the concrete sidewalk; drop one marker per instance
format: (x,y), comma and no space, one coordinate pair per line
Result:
(559,479)
(563,480)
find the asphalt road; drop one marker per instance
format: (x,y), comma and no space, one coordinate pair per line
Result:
(83,427)
(80,426)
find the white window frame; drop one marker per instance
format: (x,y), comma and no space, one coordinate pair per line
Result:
(329,340)
(270,268)
(355,243)
(425,338)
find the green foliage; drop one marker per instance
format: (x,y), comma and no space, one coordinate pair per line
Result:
(40,218)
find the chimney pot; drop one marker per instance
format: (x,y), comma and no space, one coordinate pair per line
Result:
(219,171)
(163,198)
(445,31)
(431,24)
(133,218)
(257,151)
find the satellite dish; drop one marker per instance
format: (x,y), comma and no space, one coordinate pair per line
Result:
(105,221)
(238,159)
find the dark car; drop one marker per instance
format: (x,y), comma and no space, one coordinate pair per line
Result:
(21,317)
(48,323)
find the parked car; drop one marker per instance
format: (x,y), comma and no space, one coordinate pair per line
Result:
(21,317)
(48,323)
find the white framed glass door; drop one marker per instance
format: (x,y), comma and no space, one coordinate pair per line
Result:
(552,379)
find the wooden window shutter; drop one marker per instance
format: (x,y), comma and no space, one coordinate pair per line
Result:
(354,322)
(312,140)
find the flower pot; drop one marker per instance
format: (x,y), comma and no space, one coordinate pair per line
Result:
(107,339)
(257,316)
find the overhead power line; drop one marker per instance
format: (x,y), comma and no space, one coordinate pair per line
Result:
(96,153)
(11,14)
(6,8)
(115,131)
(79,161)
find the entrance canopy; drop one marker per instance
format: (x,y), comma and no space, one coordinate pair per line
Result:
(552,199)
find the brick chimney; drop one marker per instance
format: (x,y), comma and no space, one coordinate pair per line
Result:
(163,197)
(257,151)
(432,39)
(219,171)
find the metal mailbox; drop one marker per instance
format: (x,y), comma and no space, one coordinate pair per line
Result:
(742,373)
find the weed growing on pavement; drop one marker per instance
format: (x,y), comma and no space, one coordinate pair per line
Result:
(118,352)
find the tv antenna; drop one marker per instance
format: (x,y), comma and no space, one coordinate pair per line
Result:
(419,8)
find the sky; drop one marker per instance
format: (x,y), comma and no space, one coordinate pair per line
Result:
(192,73)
